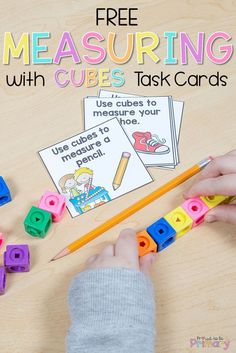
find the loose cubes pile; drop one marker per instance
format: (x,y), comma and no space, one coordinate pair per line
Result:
(50,209)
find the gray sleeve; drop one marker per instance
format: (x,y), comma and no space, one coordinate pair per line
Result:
(112,311)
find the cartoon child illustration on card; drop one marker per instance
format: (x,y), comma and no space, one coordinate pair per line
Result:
(146,142)
(84,176)
(69,185)
(90,197)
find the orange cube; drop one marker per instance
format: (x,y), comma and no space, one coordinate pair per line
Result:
(145,243)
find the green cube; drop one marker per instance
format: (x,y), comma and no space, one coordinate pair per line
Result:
(37,222)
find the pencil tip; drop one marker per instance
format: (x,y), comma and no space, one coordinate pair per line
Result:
(60,255)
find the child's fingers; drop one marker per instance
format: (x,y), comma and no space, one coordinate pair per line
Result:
(223,213)
(222,185)
(108,250)
(220,166)
(146,262)
(232,153)
(91,259)
(127,247)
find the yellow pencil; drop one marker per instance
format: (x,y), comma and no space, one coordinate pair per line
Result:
(132,209)
(121,170)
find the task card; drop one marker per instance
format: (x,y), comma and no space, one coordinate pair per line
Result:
(148,121)
(95,167)
(178,107)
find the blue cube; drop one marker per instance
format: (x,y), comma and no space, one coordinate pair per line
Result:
(162,233)
(5,195)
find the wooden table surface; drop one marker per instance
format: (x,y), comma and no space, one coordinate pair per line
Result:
(195,279)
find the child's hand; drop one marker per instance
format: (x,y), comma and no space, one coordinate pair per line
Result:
(219,177)
(123,254)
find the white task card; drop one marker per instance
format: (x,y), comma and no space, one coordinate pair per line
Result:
(95,167)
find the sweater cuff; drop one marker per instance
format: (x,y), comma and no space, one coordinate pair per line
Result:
(112,296)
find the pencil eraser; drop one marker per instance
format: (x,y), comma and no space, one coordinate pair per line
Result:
(17,258)
(53,203)
(126,154)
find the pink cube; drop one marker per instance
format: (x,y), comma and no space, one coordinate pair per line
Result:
(196,209)
(2,240)
(53,203)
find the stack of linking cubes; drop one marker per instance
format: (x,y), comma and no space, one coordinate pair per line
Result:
(39,219)
(16,260)
(176,223)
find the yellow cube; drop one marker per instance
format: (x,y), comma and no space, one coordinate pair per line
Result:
(214,200)
(180,221)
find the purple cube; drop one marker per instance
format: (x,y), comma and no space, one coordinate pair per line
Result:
(17,258)
(2,280)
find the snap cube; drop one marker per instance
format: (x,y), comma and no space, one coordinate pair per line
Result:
(180,221)
(196,209)
(162,233)
(37,222)
(5,195)
(145,243)
(214,200)
(53,203)
(2,240)
(17,258)
(2,280)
